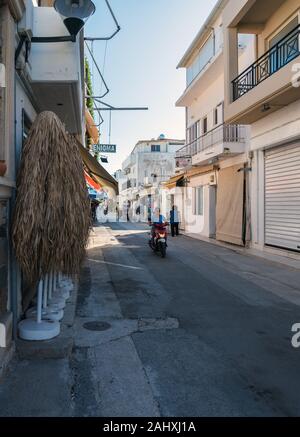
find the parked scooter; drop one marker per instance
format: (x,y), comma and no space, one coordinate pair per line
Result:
(158,241)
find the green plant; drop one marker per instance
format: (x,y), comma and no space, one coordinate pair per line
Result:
(88,79)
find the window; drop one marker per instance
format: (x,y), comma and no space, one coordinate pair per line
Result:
(194,132)
(204,125)
(216,116)
(155,148)
(198,201)
(204,56)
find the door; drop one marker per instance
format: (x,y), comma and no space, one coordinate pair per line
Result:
(230,212)
(282,197)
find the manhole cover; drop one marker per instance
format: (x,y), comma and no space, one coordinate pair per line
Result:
(97,326)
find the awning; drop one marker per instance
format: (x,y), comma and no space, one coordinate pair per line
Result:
(174,181)
(199,171)
(97,171)
(91,183)
(91,128)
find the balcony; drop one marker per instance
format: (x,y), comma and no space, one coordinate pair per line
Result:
(224,141)
(130,183)
(266,85)
(284,52)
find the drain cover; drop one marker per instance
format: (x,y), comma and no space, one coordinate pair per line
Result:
(97,326)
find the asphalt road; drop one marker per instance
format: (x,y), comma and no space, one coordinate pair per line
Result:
(204,332)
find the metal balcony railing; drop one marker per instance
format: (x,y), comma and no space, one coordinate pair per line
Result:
(231,133)
(273,60)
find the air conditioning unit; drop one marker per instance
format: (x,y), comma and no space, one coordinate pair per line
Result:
(148,181)
(25,26)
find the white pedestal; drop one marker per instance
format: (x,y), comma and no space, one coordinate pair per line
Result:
(58,302)
(62,292)
(36,331)
(54,315)
(68,285)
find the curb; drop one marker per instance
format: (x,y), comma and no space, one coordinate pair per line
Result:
(6,356)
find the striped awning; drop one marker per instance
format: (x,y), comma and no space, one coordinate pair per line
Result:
(91,128)
(91,183)
(173,181)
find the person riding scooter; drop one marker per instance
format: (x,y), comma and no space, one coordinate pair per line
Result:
(157,219)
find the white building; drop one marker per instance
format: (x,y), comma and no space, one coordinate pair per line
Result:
(212,178)
(266,96)
(150,164)
(240,165)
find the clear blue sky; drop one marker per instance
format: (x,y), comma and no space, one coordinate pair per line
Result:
(140,66)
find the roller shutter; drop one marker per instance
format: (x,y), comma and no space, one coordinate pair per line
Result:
(282,197)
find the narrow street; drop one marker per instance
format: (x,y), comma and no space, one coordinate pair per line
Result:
(205,332)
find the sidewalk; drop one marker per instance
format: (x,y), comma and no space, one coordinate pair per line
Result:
(288,259)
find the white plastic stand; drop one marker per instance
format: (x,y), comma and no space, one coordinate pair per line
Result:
(55,299)
(37,330)
(51,313)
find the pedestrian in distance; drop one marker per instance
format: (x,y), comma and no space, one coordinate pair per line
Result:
(174,221)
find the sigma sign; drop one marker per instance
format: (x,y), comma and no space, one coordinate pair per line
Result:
(105,148)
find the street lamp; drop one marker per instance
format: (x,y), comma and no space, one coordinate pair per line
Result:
(74,13)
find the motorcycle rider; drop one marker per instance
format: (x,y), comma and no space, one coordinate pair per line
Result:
(156,219)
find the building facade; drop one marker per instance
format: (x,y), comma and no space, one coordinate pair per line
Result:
(33,77)
(212,164)
(266,96)
(237,178)
(150,164)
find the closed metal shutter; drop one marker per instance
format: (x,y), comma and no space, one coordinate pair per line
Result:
(282,197)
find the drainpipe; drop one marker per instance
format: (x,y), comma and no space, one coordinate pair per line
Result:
(12,259)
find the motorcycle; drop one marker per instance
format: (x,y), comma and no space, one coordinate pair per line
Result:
(158,242)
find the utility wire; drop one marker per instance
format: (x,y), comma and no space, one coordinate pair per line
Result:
(107,38)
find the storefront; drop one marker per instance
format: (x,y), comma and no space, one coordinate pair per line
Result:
(282,197)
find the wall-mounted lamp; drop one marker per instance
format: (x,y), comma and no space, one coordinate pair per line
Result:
(266,107)
(74,13)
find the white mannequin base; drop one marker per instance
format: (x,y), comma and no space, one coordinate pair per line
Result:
(33,331)
(58,302)
(48,314)
(62,292)
(66,286)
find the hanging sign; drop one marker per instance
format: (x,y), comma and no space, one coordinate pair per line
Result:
(185,161)
(105,148)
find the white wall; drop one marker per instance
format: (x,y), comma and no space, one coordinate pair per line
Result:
(202,225)
(205,103)
(277,128)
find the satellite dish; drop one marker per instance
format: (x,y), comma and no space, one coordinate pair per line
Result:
(161,137)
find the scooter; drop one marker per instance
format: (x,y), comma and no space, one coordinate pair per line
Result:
(158,243)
